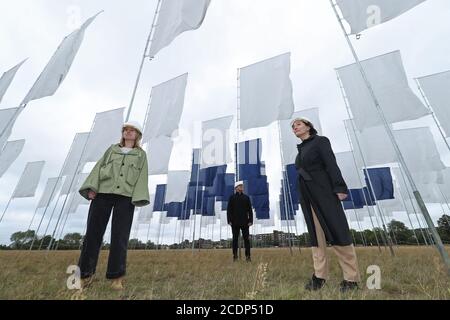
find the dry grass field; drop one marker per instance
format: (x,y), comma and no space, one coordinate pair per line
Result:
(415,273)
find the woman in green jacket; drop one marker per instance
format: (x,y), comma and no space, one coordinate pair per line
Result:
(117,183)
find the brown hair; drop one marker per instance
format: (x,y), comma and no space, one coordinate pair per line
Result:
(137,142)
(312,130)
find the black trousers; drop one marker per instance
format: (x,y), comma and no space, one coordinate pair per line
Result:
(245,235)
(122,218)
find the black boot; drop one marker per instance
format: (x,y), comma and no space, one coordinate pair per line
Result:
(248,259)
(347,286)
(235,258)
(315,283)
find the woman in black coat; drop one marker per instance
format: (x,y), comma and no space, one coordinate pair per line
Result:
(321,190)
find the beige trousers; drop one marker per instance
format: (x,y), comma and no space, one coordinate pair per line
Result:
(346,255)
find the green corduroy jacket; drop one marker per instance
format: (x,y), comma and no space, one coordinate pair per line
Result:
(122,174)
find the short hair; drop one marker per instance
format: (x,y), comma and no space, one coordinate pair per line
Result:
(308,123)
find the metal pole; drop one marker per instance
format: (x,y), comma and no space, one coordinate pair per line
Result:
(61,231)
(148,234)
(386,233)
(196,196)
(288,212)
(363,238)
(59,228)
(358,173)
(285,181)
(6,208)
(201,218)
(238,129)
(358,146)
(75,176)
(144,56)
(32,219)
(60,176)
(409,218)
(413,207)
(420,202)
(238,120)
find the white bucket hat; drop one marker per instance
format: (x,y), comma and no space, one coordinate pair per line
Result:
(300,119)
(133,124)
(237,184)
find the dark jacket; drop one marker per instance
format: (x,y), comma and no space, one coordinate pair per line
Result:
(319,180)
(239,210)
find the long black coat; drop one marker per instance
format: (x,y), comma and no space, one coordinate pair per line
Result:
(239,210)
(319,180)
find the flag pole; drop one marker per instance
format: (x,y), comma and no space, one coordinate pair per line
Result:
(289,194)
(201,216)
(238,129)
(144,56)
(148,231)
(384,236)
(415,211)
(6,208)
(406,210)
(196,196)
(285,181)
(75,176)
(418,196)
(369,179)
(360,179)
(60,176)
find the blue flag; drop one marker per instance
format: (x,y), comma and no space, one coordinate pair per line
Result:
(381,181)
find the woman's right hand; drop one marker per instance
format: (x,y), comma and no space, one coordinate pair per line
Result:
(92,195)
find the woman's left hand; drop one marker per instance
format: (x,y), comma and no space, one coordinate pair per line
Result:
(342,196)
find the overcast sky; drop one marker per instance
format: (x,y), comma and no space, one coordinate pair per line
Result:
(235,33)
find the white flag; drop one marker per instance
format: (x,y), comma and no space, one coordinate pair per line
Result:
(75,199)
(73,183)
(437,90)
(50,191)
(7,119)
(59,65)
(215,142)
(177,183)
(375,144)
(289,141)
(352,175)
(419,149)
(445,186)
(9,154)
(392,205)
(387,76)
(364,14)
(107,130)
(416,145)
(7,78)
(166,107)
(73,159)
(29,180)
(158,155)
(176,17)
(146,213)
(206,221)
(266,92)
(73,202)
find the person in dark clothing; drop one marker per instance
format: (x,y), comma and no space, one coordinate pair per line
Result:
(322,188)
(240,218)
